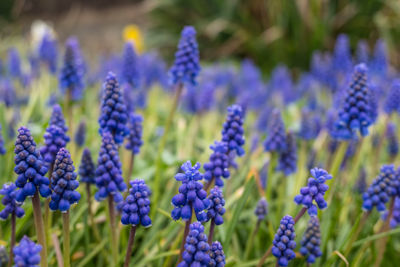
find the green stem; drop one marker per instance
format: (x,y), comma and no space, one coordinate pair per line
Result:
(114,241)
(250,241)
(91,215)
(157,178)
(334,170)
(47,215)
(131,240)
(12,243)
(359,224)
(37,215)
(271,170)
(66,245)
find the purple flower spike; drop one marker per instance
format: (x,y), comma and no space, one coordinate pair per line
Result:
(64,183)
(191,194)
(310,244)
(136,206)
(129,66)
(2,148)
(261,209)
(314,191)
(30,167)
(218,165)
(27,253)
(114,117)
(233,132)
(217,255)
(276,139)
(381,189)
(288,158)
(9,202)
(284,244)
(109,179)
(196,247)
(135,133)
(186,66)
(216,209)
(87,168)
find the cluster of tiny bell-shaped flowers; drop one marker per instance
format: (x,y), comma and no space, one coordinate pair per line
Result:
(354,115)
(232,130)
(54,139)
(287,162)
(261,209)
(64,183)
(314,191)
(57,118)
(191,194)
(129,67)
(80,135)
(30,167)
(11,206)
(381,189)
(392,141)
(135,133)
(196,251)
(186,65)
(392,103)
(27,253)
(136,207)
(217,255)
(114,115)
(216,209)
(217,167)
(87,168)
(109,179)
(283,243)
(276,139)
(2,148)
(310,244)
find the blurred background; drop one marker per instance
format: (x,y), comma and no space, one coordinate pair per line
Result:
(268,32)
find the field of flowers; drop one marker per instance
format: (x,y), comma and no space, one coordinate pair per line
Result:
(138,162)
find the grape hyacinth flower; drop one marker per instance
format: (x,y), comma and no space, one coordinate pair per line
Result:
(136,206)
(54,139)
(26,254)
(14,63)
(72,71)
(216,209)
(57,118)
(113,116)
(130,66)
(284,244)
(392,103)
(287,162)
(11,206)
(310,244)
(64,183)
(80,135)
(191,194)
(261,209)
(218,165)
(233,132)
(48,52)
(135,133)
(310,125)
(217,256)
(395,221)
(354,114)
(186,65)
(109,179)
(87,168)
(381,189)
(341,61)
(379,62)
(314,191)
(393,143)
(7,92)
(2,148)
(362,52)
(196,248)
(30,167)
(276,139)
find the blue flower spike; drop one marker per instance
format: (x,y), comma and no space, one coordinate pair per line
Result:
(314,191)
(109,179)
(136,206)
(2,147)
(284,244)
(114,116)
(381,189)
(27,253)
(217,167)
(64,183)
(261,209)
(135,133)
(187,64)
(216,209)
(196,247)
(30,167)
(10,204)
(232,130)
(287,162)
(310,244)
(87,168)
(217,256)
(191,194)
(276,139)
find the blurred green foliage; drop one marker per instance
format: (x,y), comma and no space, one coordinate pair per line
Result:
(273,32)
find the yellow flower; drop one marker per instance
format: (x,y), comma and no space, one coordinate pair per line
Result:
(132,33)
